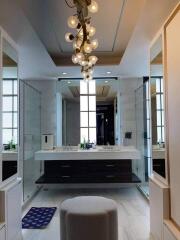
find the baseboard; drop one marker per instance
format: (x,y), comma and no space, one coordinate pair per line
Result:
(171,232)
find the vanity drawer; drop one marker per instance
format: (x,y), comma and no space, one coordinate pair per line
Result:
(2,234)
(72,167)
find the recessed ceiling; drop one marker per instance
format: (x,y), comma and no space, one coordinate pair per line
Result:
(8,62)
(28,23)
(114,23)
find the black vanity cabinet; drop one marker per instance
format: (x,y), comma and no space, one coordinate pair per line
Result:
(88,171)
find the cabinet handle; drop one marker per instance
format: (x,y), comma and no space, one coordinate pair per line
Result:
(110,165)
(65,166)
(110,176)
(65,176)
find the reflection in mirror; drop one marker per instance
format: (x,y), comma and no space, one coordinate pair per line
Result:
(157,109)
(88,111)
(9,111)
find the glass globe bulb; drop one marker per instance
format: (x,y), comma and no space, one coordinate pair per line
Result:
(83,63)
(77,44)
(91,71)
(93,7)
(75,59)
(80,56)
(90,64)
(69,37)
(92,31)
(72,21)
(87,48)
(80,62)
(84,74)
(93,59)
(94,44)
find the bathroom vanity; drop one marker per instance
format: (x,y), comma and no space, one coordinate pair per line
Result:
(102,165)
(158,158)
(9,164)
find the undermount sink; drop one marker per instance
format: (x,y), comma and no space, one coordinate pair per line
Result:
(107,150)
(104,148)
(67,149)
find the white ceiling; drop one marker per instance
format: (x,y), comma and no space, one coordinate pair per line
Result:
(38,28)
(114,23)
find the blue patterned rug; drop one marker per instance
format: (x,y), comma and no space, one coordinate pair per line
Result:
(38,218)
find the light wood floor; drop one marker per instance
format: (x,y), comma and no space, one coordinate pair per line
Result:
(133,212)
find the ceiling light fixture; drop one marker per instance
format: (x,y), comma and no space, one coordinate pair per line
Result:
(64,73)
(108,72)
(83,45)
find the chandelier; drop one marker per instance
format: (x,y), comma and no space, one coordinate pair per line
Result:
(83,44)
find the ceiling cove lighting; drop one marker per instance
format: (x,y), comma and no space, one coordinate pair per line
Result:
(82,41)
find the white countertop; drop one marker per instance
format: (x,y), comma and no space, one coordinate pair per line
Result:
(93,154)
(9,155)
(158,153)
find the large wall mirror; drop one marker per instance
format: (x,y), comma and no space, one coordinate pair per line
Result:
(157,109)
(9,110)
(89,111)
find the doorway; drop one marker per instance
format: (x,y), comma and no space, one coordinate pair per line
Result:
(105,124)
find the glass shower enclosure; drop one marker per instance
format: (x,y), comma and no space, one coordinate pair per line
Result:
(31,137)
(143,136)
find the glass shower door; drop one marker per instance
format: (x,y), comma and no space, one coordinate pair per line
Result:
(143,138)
(32,139)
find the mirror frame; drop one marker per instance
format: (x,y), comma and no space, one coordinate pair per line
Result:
(165,180)
(5,36)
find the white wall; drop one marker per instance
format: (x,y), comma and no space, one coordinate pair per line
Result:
(173,114)
(48,105)
(9,72)
(127,106)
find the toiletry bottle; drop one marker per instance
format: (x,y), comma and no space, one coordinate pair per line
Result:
(84,143)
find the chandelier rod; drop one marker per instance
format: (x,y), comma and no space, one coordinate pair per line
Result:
(70,6)
(83,24)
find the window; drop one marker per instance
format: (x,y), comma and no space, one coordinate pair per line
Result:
(159,109)
(9,111)
(88,111)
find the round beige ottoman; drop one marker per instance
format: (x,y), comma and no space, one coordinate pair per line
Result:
(88,218)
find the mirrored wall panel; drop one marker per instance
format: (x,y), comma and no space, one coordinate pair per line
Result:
(9,110)
(157,109)
(89,111)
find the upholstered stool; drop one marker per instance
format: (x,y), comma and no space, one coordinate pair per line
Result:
(89,218)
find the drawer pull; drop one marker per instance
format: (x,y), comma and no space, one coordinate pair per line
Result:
(110,165)
(65,176)
(110,176)
(65,166)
